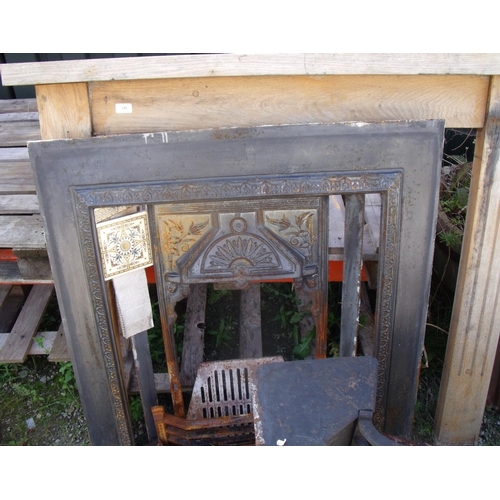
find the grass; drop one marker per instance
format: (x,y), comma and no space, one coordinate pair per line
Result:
(40,405)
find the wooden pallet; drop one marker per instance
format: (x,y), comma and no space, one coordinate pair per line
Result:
(21,312)
(23,258)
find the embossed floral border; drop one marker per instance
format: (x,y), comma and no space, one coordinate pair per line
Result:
(388,183)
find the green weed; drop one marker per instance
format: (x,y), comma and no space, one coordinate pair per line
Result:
(136,411)
(66,378)
(223,332)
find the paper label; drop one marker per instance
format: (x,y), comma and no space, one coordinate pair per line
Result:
(123,107)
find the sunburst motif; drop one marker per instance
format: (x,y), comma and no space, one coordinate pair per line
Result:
(238,252)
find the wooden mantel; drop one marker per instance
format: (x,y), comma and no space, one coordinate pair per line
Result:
(80,98)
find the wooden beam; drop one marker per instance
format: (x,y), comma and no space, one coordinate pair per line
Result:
(199,103)
(475,323)
(64,111)
(181,66)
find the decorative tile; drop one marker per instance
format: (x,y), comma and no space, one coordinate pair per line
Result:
(124,244)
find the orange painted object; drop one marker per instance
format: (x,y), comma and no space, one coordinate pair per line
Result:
(335,273)
(150,274)
(6,254)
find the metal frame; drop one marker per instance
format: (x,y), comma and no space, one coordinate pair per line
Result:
(400,160)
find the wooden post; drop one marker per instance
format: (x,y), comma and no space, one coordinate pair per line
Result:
(475,324)
(64,111)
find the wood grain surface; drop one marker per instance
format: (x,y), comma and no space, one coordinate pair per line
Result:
(182,66)
(198,103)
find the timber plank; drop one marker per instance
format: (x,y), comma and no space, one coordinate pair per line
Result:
(18,344)
(43,344)
(475,323)
(19,117)
(192,347)
(250,322)
(19,204)
(59,351)
(14,154)
(22,231)
(10,273)
(18,133)
(373,207)
(200,103)
(16,177)
(162,383)
(17,105)
(247,65)
(336,218)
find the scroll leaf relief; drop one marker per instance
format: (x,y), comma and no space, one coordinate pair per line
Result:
(300,235)
(178,234)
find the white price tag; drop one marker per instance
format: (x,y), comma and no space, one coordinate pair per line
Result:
(123,107)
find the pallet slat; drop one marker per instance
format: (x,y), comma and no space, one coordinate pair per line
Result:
(22,231)
(16,178)
(18,106)
(14,154)
(21,336)
(18,133)
(17,204)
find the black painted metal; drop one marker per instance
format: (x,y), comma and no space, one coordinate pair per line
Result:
(368,431)
(351,283)
(313,402)
(145,377)
(399,160)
